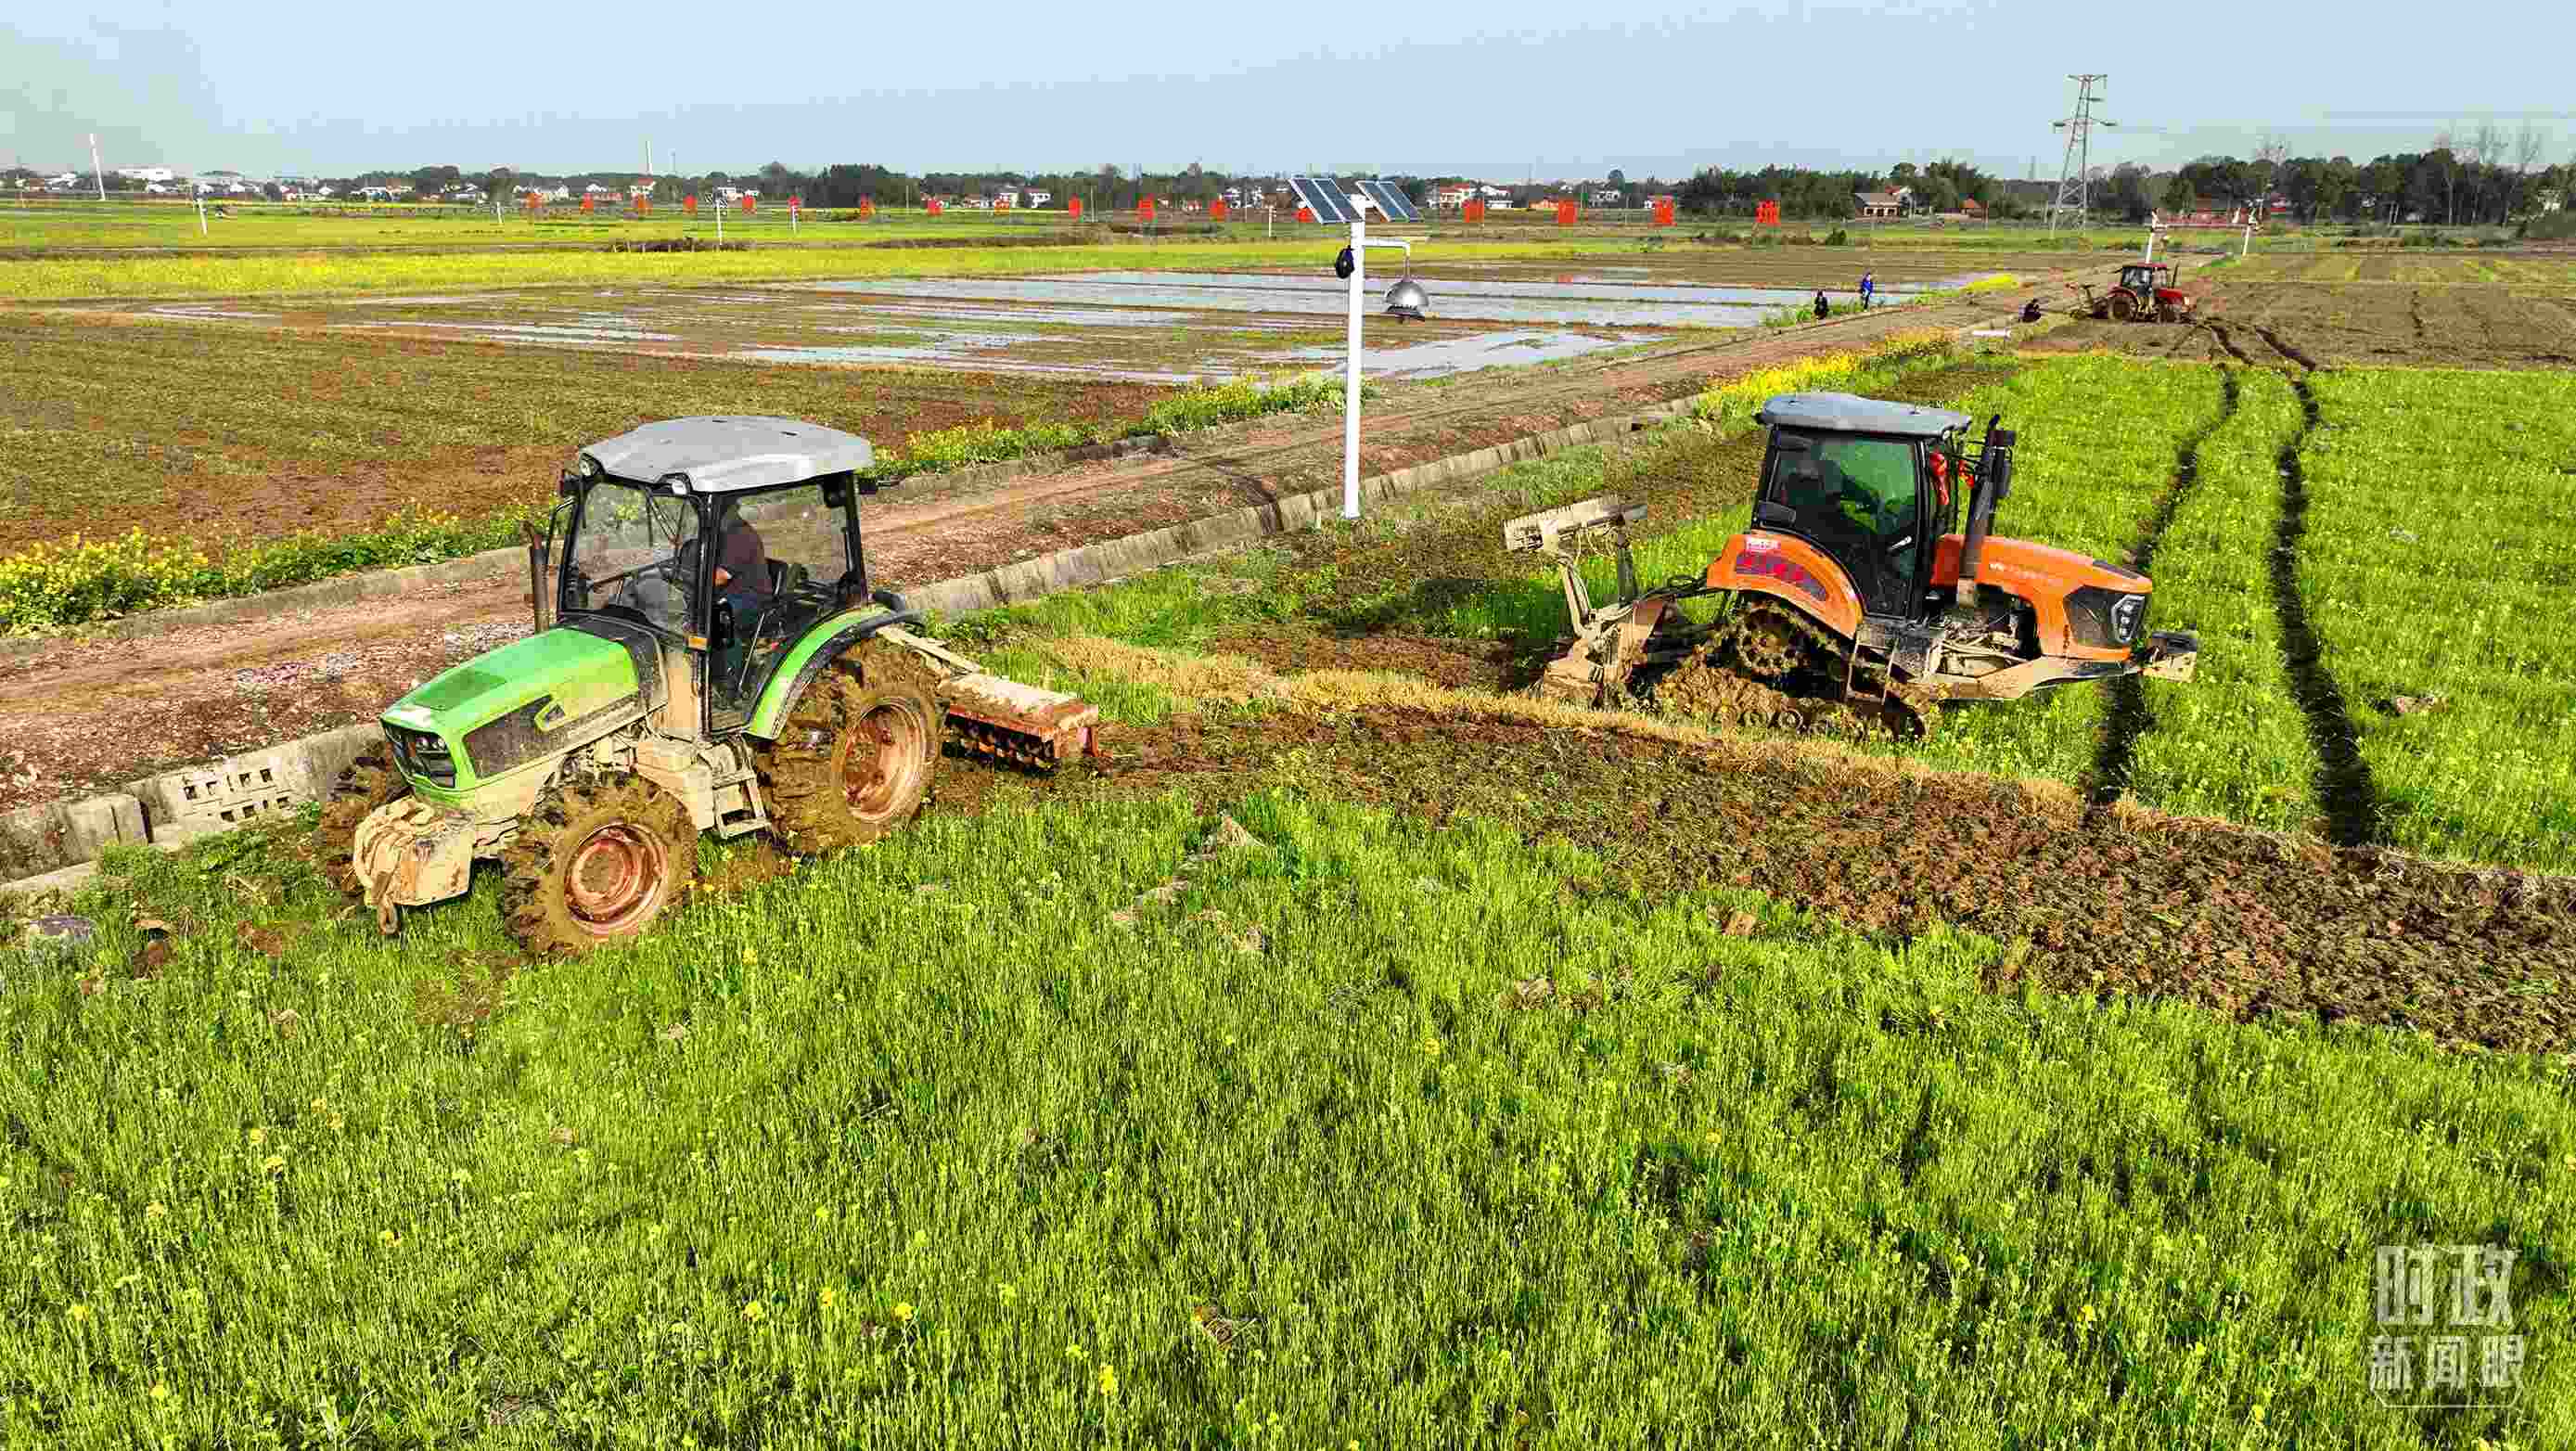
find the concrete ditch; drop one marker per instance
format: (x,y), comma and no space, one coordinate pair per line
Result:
(57,847)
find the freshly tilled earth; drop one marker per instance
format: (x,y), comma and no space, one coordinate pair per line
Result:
(2246,923)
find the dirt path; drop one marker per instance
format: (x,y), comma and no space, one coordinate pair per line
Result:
(84,716)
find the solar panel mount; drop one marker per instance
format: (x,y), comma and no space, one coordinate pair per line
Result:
(1324,197)
(1391,203)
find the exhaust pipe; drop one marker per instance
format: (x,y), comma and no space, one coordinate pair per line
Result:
(1994,483)
(540,558)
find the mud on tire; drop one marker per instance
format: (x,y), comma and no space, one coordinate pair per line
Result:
(597,860)
(365,784)
(854,758)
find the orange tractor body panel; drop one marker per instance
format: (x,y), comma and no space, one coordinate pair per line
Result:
(1791,570)
(2044,576)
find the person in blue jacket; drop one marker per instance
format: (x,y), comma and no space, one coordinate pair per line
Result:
(1868,289)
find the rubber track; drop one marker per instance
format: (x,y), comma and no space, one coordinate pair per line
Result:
(2115,755)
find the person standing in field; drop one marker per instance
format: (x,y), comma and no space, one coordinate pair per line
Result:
(1868,288)
(1823,308)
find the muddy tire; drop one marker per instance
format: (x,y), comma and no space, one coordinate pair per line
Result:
(598,860)
(365,784)
(2124,308)
(854,758)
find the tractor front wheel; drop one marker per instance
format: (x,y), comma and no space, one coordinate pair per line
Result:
(854,759)
(596,861)
(365,784)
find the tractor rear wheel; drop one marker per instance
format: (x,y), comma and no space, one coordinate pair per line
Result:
(365,784)
(855,757)
(2124,308)
(596,861)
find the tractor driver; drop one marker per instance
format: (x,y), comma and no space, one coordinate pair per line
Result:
(742,564)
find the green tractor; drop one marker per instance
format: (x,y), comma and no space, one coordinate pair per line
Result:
(709,655)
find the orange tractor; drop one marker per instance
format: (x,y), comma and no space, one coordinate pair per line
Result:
(1860,598)
(2144,292)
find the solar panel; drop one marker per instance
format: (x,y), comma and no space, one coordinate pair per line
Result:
(1391,202)
(1324,197)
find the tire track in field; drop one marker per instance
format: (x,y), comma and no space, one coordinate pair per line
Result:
(2343,784)
(2273,340)
(2115,754)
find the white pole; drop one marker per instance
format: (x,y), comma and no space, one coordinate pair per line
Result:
(1351,379)
(201,211)
(2248,248)
(97,172)
(2151,244)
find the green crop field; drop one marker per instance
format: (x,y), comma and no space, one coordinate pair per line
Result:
(1365,1134)
(2440,564)
(2234,743)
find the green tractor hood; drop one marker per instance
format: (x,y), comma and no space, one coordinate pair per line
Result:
(521,705)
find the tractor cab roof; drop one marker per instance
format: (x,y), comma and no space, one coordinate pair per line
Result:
(1851,413)
(730,454)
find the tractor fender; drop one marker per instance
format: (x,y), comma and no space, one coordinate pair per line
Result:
(821,646)
(1787,568)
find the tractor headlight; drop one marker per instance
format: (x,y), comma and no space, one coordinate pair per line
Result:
(2128,614)
(589,467)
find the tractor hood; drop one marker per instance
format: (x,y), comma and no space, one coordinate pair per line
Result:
(522,703)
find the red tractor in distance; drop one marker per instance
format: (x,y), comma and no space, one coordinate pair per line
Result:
(2145,292)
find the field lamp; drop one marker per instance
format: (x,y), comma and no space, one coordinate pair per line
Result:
(1406,300)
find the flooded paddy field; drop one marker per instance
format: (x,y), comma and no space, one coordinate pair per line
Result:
(1128,326)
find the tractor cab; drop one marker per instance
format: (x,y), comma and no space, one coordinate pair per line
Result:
(1867,483)
(2143,277)
(725,538)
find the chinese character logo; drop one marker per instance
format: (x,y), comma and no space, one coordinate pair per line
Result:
(2434,1350)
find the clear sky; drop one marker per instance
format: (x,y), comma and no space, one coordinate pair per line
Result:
(1495,88)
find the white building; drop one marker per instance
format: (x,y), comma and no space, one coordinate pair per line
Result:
(1036,198)
(147,173)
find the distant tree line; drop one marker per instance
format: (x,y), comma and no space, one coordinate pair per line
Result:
(2474,175)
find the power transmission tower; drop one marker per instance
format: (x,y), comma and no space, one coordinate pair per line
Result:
(2075,173)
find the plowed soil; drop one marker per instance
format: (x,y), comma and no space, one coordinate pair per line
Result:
(2245,923)
(2352,324)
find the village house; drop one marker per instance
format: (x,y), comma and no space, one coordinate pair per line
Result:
(1883,205)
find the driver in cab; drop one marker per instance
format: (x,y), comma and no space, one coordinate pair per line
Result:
(742,565)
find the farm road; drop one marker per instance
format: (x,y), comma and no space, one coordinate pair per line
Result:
(84,716)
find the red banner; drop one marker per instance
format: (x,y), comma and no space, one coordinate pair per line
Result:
(867,206)
(1472,212)
(1305,214)
(532,201)
(1766,214)
(1145,208)
(1073,206)
(1216,209)
(689,204)
(1663,211)
(747,204)
(643,206)
(935,207)
(1565,214)
(589,203)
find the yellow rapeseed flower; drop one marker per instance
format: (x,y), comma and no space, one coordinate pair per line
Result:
(318,1105)
(161,1390)
(822,1216)
(1430,1047)
(903,1312)
(1008,1292)
(831,1297)
(156,1210)
(751,1310)
(259,1138)
(1108,1381)
(1073,1352)
(388,1237)
(274,1163)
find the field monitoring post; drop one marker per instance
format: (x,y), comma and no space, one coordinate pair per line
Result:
(1324,197)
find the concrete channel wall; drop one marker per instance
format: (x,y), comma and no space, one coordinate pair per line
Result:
(51,847)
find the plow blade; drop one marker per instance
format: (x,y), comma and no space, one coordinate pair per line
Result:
(1002,719)
(1010,720)
(2170,655)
